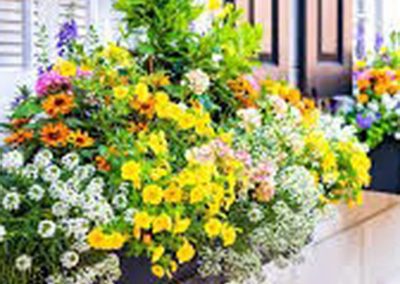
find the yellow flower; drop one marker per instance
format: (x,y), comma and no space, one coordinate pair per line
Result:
(158,271)
(214,4)
(65,68)
(185,253)
(152,194)
(121,92)
(142,92)
(213,227)
(158,173)
(157,254)
(158,143)
(131,171)
(197,194)
(228,234)
(173,265)
(173,194)
(186,121)
(143,220)
(181,225)
(98,240)
(162,223)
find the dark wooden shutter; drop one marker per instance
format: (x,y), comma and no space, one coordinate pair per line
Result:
(326,60)
(274,16)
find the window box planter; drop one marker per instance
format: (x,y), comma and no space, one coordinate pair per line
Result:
(385,170)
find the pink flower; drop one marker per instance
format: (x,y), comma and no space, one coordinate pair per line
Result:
(244,157)
(51,83)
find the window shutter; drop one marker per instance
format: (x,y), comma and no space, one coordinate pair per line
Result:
(11,33)
(79,10)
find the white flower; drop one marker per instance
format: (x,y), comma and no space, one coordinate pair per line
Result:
(30,171)
(81,246)
(3,233)
(129,215)
(70,161)
(120,201)
(96,186)
(251,118)
(11,201)
(60,209)
(47,229)
(203,24)
(36,192)
(397,135)
(23,263)
(198,81)
(43,158)
(373,106)
(84,172)
(69,259)
(255,214)
(12,160)
(51,173)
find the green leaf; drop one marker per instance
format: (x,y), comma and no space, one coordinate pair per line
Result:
(27,109)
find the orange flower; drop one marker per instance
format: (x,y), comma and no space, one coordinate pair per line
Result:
(60,104)
(363,84)
(18,122)
(102,164)
(55,134)
(362,98)
(80,139)
(19,137)
(137,127)
(144,108)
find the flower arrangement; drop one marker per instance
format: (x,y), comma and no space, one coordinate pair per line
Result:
(171,152)
(375,109)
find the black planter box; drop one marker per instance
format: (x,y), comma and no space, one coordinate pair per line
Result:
(138,271)
(385,170)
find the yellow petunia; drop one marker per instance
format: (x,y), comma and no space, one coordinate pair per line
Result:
(131,171)
(181,225)
(173,194)
(143,220)
(157,143)
(197,194)
(158,173)
(152,194)
(158,271)
(157,253)
(65,68)
(186,121)
(185,253)
(162,223)
(228,234)
(142,92)
(213,227)
(121,92)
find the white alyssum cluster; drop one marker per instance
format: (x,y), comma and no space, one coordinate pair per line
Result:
(250,118)
(106,271)
(198,81)
(335,128)
(12,161)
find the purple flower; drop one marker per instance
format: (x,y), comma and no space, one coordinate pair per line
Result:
(379,41)
(365,121)
(51,82)
(67,34)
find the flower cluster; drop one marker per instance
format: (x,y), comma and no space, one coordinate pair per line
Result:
(375,106)
(57,202)
(175,155)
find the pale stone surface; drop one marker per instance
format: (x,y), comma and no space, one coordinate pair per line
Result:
(356,246)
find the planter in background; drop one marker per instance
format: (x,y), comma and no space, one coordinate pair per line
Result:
(386,167)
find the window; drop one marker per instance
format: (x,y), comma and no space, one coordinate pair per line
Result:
(11,33)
